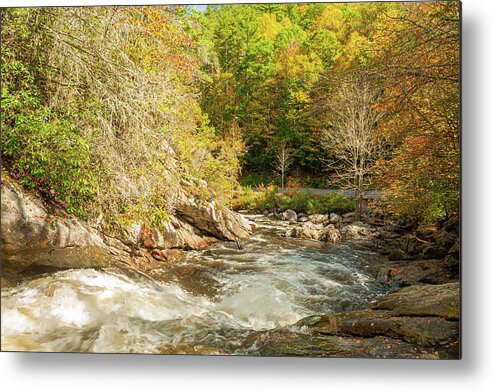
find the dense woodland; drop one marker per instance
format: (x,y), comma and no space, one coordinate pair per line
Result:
(106,110)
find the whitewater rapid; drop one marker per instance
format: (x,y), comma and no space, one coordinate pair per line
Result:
(211,302)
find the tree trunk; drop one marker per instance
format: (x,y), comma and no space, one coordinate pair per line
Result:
(359,202)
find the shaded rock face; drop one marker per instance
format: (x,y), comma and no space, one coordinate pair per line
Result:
(435,271)
(424,331)
(291,343)
(327,233)
(396,255)
(30,236)
(418,320)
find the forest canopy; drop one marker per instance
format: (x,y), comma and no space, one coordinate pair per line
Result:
(107,109)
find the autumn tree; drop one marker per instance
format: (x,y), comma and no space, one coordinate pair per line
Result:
(351,135)
(100,110)
(419,67)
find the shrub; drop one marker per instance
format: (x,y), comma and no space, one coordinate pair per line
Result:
(304,202)
(45,150)
(256,180)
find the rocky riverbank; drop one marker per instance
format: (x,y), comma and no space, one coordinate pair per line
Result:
(34,234)
(418,319)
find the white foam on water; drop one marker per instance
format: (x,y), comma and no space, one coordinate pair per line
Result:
(80,300)
(263,287)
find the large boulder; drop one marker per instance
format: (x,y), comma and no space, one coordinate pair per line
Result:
(423,331)
(209,217)
(423,300)
(283,342)
(433,271)
(357,230)
(331,234)
(327,233)
(319,218)
(175,233)
(289,215)
(30,236)
(196,222)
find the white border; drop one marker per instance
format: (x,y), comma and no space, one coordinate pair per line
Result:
(79,372)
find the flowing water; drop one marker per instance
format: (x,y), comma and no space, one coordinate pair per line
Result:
(212,302)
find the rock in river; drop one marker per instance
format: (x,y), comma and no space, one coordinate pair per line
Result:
(327,233)
(423,331)
(319,218)
(289,215)
(423,300)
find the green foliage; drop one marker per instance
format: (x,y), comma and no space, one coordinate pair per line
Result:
(256,180)
(100,110)
(300,202)
(45,148)
(105,110)
(271,58)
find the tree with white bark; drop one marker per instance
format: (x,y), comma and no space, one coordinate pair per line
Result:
(283,159)
(351,136)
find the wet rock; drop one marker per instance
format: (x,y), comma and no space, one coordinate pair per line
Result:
(425,271)
(423,331)
(423,300)
(309,230)
(289,215)
(288,343)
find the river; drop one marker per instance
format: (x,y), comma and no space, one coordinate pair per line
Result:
(211,302)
